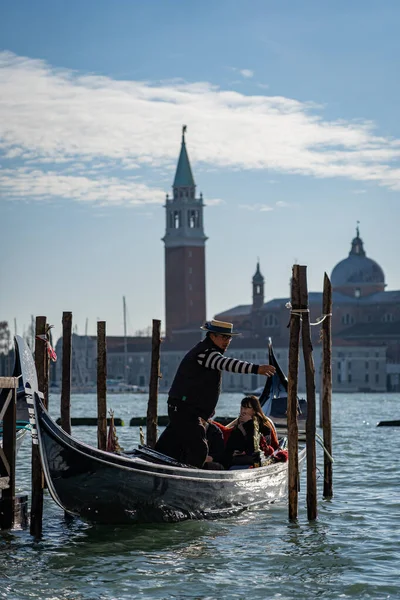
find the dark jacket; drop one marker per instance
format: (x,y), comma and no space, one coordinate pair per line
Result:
(242,440)
(215,440)
(195,386)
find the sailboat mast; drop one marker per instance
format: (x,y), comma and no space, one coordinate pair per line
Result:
(125,343)
(86,343)
(33,332)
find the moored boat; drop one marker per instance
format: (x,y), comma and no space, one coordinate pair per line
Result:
(22,370)
(273,398)
(143,486)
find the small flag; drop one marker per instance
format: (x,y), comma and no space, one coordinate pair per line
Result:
(50,350)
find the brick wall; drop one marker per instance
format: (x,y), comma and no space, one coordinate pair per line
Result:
(185,287)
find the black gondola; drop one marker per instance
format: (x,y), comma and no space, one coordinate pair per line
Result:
(143,486)
(22,415)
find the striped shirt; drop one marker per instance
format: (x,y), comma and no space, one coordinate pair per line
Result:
(212,359)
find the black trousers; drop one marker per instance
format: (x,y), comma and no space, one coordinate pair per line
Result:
(184,438)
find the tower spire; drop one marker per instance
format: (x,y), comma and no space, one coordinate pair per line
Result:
(258,288)
(183,176)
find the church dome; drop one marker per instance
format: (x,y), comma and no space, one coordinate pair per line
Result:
(357,274)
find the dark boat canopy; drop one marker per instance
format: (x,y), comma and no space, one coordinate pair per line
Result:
(273,398)
(277,385)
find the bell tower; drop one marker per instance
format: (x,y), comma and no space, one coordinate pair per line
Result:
(184,242)
(258,288)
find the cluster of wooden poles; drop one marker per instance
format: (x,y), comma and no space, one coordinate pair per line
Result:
(9,504)
(299,323)
(42,368)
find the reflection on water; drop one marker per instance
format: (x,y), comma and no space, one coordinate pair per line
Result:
(350,552)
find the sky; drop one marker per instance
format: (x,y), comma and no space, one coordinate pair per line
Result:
(293,133)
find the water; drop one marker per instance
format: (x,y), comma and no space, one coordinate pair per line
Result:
(351,551)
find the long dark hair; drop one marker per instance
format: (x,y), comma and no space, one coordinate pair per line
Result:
(254,403)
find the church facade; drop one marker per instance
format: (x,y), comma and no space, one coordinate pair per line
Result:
(365,322)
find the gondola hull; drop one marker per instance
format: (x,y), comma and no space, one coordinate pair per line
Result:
(108,488)
(103,487)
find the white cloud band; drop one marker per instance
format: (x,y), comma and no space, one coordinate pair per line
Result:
(59,117)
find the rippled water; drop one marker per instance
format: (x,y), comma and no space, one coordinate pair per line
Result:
(351,551)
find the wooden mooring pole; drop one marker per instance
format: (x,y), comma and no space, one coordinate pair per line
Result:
(151,420)
(41,364)
(8,452)
(65,408)
(101,386)
(293,371)
(310,391)
(327,384)
(46,379)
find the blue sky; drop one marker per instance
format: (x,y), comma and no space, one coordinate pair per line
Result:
(293,134)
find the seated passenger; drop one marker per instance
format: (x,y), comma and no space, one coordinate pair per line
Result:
(240,447)
(216,446)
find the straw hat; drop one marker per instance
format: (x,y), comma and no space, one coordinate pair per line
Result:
(219,327)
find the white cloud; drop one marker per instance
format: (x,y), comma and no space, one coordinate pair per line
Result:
(28,184)
(246,73)
(84,127)
(256,207)
(213,201)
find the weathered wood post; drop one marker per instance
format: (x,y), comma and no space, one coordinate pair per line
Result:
(46,379)
(8,452)
(101,386)
(66,372)
(41,364)
(151,421)
(293,372)
(327,384)
(310,390)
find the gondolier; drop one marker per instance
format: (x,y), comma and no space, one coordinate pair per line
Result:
(195,391)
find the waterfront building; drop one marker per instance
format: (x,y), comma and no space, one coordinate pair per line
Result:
(365,321)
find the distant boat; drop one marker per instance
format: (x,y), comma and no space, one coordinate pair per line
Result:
(118,386)
(114,386)
(256,392)
(273,398)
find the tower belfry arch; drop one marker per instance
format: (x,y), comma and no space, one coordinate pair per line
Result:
(184,243)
